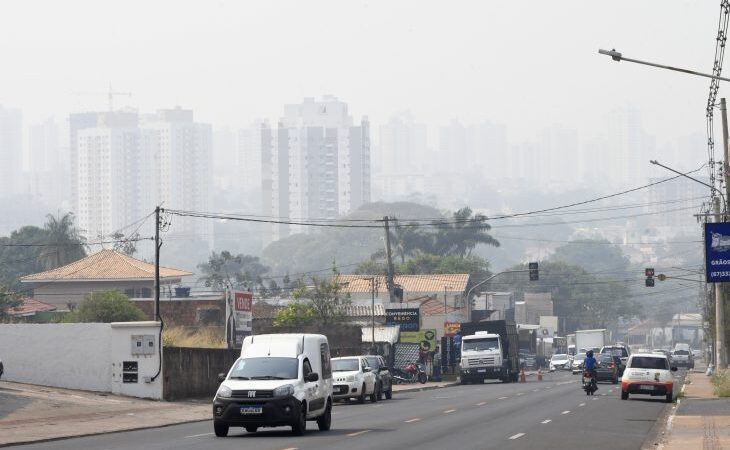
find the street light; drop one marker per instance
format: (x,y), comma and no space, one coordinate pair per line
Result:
(618,57)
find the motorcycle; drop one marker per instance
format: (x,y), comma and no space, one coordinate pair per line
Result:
(410,374)
(589,382)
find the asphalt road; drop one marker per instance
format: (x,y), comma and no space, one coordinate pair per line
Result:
(552,414)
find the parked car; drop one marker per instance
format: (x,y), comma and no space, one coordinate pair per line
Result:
(559,361)
(353,379)
(683,358)
(648,374)
(383,377)
(577,364)
(607,369)
(620,350)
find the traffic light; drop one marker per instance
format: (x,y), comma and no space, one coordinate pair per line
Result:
(649,272)
(534,274)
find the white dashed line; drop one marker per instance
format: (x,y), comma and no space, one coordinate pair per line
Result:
(565,412)
(582,404)
(481,403)
(595,398)
(516,436)
(603,395)
(502,398)
(358,433)
(547,421)
(415,419)
(449,411)
(535,390)
(197,435)
(520,393)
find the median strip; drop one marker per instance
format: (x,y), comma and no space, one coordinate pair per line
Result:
(516,436)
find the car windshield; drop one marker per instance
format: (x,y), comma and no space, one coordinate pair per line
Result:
(559,358)
(373,362)
(647,362)
(480,344)
(265,369)
(579,358)
(345,365)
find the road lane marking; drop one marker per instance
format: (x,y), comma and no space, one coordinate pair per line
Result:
(582,404)
(502,398)
(547,421)
(603,395)
(564,382)
(520,393)
(535,390)
(415,419)
(481,403)
(358,433)
(565,412)
(449,411)
(594,398)
(197,435)
(291,448)
(516,436)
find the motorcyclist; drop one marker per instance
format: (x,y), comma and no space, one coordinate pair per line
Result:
(589,365)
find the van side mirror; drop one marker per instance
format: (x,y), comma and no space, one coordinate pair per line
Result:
(221,377)
(312,377)
(367,369)
(674,369)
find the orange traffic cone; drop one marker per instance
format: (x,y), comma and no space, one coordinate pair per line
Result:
(539,374)
(522,375)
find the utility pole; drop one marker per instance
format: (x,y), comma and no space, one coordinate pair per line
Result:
(372,311)
(390,283)
(157,264)
(719,308)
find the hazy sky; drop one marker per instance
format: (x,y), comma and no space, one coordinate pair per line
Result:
(528,65)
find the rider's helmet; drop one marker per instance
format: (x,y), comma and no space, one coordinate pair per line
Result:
(589,353)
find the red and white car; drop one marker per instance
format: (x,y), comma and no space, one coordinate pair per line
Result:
(648,374)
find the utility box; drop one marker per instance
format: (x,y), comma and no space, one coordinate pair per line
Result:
(143,344)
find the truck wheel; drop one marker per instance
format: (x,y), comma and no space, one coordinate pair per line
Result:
(220,429)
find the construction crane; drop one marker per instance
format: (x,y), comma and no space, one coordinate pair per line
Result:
(111,93)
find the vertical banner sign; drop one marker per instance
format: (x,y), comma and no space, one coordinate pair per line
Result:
(409,319)
(239,312)
(717,252)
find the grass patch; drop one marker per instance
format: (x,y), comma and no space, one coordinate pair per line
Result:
(721,381)
(203,337)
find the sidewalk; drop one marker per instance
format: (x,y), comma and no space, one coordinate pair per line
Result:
(30,413)
(701,420)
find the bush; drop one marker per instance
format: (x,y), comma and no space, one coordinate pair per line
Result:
(721,380)
(105,307)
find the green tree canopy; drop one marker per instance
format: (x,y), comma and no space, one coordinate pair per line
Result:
(63,243)
(295,314)
(594,255)
(320,302)
(240,271)
(105,307)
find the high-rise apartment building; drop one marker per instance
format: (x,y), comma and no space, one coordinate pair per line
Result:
(48,168)
(315,164)
(11,151)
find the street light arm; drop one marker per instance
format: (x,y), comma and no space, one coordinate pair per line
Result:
(712,188)
(468,293)
(617,56)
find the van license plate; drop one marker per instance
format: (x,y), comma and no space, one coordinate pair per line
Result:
(249,410)
(481,370)
(646,387)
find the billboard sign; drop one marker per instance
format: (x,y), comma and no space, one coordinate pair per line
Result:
(450,328)
(717,252)
(409,319)
(239,317)
(426,339)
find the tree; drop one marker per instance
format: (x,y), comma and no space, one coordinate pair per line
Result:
(595,255)
(407,240)
(63,242)
(462,233)
(295,314)
(240,271)
(370,268)
(107,306)
(8,300)
(21,254)
(324,296)
(126,245)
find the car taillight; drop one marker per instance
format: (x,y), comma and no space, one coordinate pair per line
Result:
(586,374)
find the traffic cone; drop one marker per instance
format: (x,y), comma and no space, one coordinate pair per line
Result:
(539,374)
(522,375)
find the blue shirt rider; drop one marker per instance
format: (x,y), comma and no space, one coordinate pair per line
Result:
(590,362)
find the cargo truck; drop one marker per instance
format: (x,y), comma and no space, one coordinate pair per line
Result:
(489,351)
(590,340)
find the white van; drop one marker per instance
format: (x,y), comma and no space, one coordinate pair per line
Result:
(279,380)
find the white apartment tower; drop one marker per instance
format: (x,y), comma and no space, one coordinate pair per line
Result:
(11,151)
(315,164)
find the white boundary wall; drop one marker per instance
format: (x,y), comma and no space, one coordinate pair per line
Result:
(86,356)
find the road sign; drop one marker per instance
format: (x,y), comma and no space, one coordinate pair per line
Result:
(649,271)
(717,252)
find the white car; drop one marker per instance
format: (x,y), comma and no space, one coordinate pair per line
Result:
(353,379)
(560,361)
(648,374)
(576,365)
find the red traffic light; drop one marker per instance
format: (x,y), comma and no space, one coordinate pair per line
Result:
(649,271)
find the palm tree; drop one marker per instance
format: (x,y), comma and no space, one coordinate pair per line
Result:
(462,233)
(63,242)
(407,241)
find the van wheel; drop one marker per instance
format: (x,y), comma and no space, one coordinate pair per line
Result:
(252,429)
(389,392)
(324,422)
(300,426)
(361,398)
(220,429)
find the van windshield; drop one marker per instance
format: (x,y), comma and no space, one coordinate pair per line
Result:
(345,365)
(480,344)
(265,369)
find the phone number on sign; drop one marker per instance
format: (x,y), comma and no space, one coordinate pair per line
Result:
(720,274)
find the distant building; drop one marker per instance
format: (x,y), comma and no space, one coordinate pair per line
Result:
(11,151)
(47,174)
(536,305)
(315,164)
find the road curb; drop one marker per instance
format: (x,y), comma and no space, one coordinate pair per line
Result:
(427,388)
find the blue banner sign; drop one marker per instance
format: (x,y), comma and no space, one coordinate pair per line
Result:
(717,252)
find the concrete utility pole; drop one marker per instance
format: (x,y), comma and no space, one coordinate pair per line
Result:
(390,283)
(719,308)
(157,264)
